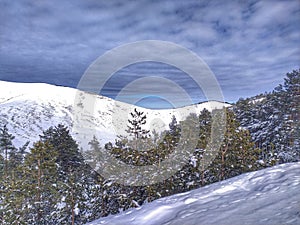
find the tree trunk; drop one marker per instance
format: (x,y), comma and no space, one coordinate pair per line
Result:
(5,165)
(223,162)
(39,216)
(102,205)
(222,169)
(73,207)
(202,172)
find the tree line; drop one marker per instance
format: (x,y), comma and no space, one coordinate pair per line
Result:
(53,182)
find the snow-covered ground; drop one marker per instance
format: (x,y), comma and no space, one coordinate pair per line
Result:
(269,196)
(30,108)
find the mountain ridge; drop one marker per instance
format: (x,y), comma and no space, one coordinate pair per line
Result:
(30,108)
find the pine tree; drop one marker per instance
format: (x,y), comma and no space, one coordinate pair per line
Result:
(94,190)
(1,167)
(21,153)
(75,176)
(69,157)
(273,121)
(292,118)
(40,184)
(237,153)
(11,200)
(69,160)
(6,147)
(204,137)
(138,119)
(173,135)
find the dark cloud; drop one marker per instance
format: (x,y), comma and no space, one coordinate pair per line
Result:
(249,45)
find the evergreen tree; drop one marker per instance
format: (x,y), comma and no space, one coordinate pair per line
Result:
(40,185)
(11,200)
(95,206)
(6,147)
(135,124)
(204,137)
(70,163)
(273,121)
(138,119)
(237,153)
(21,153)
(69,157)
(173,134)
(1,167)
(292,118)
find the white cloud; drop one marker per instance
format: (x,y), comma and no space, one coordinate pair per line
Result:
(238,39)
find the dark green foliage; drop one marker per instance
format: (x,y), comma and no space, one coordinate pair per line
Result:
(53,184)
(240,156)
(40,186)
(237,154)
(11,198)
(273,121)
(74,175)
(69,158)
(7,148)
(138,119)
(49,185)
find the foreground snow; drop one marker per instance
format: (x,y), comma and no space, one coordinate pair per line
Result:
(269,196)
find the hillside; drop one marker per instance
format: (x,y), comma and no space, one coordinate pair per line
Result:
(269,196)
(57,181)
(30,108)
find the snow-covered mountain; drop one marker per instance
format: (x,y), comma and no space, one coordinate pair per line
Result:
(269,196)
(30,108)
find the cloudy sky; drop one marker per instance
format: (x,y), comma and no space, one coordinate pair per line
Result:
(248,45)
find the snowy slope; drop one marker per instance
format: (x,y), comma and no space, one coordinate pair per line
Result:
(269,196)
(29,108)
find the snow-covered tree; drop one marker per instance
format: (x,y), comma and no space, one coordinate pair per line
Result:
(237,154)
(40,184)
(6,147)
(273,121)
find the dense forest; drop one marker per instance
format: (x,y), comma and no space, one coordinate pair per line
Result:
(52,182)
(273,120)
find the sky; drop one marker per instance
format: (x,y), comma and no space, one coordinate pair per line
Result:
(248,45)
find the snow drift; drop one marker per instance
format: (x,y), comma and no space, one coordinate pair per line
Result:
(269,196)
